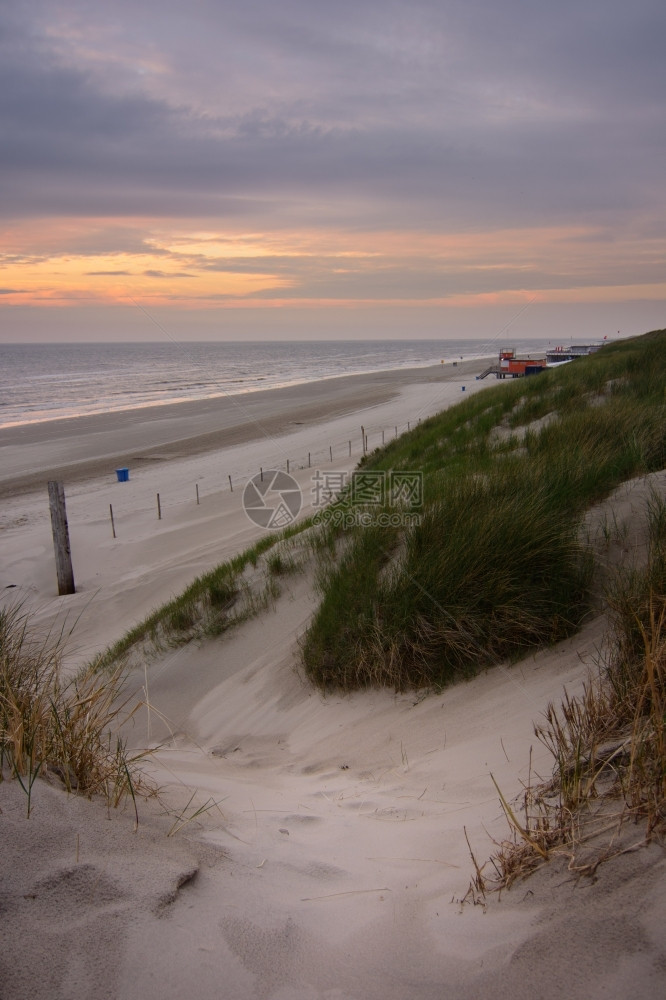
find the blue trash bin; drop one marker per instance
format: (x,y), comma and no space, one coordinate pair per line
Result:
(123,475)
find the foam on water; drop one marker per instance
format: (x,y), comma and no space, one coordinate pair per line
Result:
(40,382)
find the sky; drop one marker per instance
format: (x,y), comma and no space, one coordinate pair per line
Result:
(253,169)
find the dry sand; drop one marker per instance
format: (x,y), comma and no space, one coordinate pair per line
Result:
(170,450)
(331,859)
(79,448)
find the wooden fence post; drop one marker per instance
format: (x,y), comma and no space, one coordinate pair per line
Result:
(59,526)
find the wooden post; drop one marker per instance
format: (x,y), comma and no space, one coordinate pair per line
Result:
(231,485)
(309,462)
(330,451)
(113,524)
(382,435)
(60,529)
(396,430)
(159,508)
(197,488)
(261,473)
(350,449)
(363,438)
(287,465)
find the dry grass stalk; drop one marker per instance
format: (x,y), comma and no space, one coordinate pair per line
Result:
(609,743)
(70,729)
(609,746)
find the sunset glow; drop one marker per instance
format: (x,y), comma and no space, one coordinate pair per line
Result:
(364,172)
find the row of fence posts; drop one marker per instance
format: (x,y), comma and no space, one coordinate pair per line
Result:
(60,528)
(364,442)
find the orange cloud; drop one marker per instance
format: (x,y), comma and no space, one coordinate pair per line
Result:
(187,265)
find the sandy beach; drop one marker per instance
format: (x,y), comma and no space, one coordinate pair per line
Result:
(80,448)
(174,451)
(330,861)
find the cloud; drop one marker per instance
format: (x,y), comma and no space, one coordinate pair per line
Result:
(429,114)
(151,273)
(276,155)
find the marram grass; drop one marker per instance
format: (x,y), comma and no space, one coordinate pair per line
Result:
(608,744)
(496,565)
(70,729)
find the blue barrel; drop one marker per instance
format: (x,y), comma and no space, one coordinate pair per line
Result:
(123,475)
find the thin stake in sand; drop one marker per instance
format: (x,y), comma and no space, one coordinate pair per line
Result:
(333,895)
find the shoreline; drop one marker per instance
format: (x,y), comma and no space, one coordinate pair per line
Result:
(228,393)
(76,449)
(187,456)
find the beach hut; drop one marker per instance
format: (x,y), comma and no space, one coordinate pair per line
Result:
(515,367)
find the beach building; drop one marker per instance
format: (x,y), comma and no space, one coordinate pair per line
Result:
(559,354)
(509,365)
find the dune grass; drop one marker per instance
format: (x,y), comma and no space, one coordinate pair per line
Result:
(212,604)
(491,565)
(70,729)
(608,744)
(495,563)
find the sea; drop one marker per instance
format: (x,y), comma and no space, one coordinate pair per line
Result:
(40,382)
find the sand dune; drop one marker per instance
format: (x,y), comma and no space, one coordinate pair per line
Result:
(330,861)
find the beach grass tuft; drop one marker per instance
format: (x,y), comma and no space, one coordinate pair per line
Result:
(608,744)
(215,602)
(69,729)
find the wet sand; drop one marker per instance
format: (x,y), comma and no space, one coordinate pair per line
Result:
(80,448)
